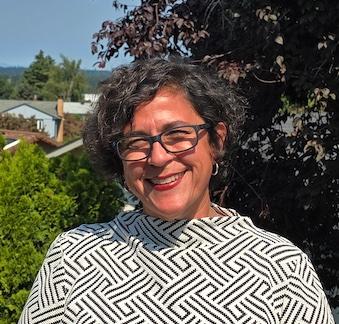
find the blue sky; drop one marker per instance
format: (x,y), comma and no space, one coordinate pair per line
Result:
(54,26)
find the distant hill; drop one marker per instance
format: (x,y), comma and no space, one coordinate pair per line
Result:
(12,72)
(93,76)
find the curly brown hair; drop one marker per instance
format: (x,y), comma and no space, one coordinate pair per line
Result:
(137,83)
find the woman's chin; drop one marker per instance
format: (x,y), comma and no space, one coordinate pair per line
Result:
(166,211)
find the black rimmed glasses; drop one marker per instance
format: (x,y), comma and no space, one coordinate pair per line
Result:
(175,140)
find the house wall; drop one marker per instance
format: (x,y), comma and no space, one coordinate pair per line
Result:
(48,122)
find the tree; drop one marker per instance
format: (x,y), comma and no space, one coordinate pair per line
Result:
(6,87)
(45,80)
(66,80)
(35,77)
(34,208)
(73,126)
(97,199)
(284,57)
(74,79)
(40,198)
(2,142)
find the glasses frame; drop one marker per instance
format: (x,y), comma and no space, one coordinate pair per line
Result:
(157,138)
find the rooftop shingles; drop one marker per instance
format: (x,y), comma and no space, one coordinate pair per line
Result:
(48,107)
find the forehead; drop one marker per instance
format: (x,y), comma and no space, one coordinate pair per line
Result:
(169,108)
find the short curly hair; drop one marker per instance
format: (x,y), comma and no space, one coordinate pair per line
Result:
(137,83)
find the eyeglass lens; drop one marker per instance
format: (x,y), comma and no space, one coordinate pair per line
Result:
(175,140)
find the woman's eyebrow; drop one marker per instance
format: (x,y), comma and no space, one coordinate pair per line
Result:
(173,124)
(165,127)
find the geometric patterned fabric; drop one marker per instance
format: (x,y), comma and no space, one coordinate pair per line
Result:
(139,269)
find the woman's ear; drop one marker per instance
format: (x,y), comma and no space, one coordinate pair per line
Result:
(222,133)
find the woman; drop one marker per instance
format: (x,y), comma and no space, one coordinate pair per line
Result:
(163,128)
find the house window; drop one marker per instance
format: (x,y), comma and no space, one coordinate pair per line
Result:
(40,124)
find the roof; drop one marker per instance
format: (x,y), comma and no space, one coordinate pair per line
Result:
(30,137)
(66,148)
(47,107)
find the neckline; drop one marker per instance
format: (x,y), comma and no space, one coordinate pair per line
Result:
(156,233)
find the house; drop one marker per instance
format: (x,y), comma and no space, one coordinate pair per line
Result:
(13,138)
(48,114)
(91,97)
(77,108)
(74,146)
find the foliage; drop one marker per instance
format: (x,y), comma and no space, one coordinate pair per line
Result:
(2,142)
(73,125)
(149,30)
(13,75)
(35,77)
(97,199)
(94,77)
(39,198)
(65,80)
(45,80)
(14,122)
(33,209)
(6,87)
(283,56)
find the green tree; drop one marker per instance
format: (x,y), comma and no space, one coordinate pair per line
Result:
(40,198)
(34,209)
(98,200)
(45,80)
(282,55)
(6,88)
(66,80)
(75,80)
(2,142)
(35,77)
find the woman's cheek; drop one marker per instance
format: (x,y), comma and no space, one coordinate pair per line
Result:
(133,174)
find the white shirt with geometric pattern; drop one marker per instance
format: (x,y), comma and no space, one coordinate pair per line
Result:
(139,269)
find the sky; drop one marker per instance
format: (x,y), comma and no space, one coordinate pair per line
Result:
(56,27)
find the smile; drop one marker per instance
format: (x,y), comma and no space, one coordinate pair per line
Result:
(168,179)
(166,183)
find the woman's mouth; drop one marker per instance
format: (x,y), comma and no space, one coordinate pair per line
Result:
(166,183)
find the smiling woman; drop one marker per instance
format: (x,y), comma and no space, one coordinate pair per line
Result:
(173,180)
(165,128)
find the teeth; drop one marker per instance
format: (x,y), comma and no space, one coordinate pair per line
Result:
(167,180)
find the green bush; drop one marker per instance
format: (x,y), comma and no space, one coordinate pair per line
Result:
(33,209)
(40,198)
(98,200)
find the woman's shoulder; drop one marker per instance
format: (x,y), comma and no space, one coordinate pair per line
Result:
(86,236)
(269,249)
(244,224)
(261,241)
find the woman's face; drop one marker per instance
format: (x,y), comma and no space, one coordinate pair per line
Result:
(171,186)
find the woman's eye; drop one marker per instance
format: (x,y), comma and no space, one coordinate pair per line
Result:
(136,143)
(178,132)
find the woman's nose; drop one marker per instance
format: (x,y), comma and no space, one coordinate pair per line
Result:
(159,156)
